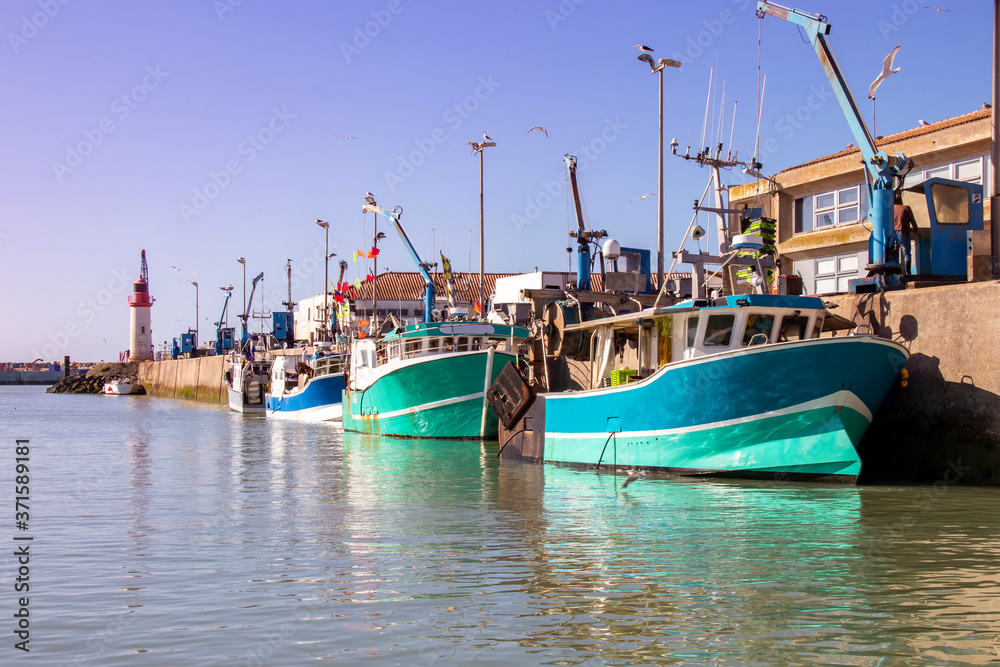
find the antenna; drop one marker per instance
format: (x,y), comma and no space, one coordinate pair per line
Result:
(708,101)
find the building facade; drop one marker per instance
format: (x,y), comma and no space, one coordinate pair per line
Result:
(821,207)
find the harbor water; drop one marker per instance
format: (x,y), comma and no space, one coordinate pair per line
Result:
(172,533)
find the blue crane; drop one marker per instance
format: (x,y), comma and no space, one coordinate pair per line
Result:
(222,341)
(245,315)
(882,168)
(422,266)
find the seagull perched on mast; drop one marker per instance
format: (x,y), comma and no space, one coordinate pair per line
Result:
(887,71)
(486,137)
(643,48)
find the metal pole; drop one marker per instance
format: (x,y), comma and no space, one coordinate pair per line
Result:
(326,283)
(659,196)
(482,276)
(375,279)
(995,148)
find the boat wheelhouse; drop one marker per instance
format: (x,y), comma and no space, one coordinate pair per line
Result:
(429,380)
(305,386)
(737,386)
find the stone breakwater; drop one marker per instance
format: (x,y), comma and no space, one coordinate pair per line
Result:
(93,381)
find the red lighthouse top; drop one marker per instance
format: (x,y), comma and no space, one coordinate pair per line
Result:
(139,298)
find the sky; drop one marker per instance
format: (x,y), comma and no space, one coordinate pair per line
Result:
(202,131)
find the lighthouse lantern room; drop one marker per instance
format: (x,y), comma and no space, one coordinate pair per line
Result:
(139,301)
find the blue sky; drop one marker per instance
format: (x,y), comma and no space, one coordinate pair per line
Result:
(203,131)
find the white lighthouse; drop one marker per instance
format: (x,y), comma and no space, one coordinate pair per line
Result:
(140,335)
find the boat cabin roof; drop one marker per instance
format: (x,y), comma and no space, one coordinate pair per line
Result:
(770,301)
(444,329)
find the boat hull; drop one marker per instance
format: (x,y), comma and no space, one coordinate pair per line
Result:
(243,396)
(118,389)
(788,411)
(439,396)
(318,400)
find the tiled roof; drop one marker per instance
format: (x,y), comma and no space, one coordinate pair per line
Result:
(409,285)
(900,136)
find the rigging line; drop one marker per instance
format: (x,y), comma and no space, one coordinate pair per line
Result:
(760,107)
(722,114)
(708,100)
(756,141)
(732,128)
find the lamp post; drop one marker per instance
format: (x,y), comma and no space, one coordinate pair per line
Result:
(657,67)
(478,147)
(197,337)
(243,314)
(326,277)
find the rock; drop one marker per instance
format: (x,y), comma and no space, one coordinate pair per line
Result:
(93,381)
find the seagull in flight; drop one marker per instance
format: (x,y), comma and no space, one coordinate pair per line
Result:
(174,267)
(346,137)
(486,137)
(887,71)
(643,48)
(648,194)
(539,127)
(633,475)
(940,9)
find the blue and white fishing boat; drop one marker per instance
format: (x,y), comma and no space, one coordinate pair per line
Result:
(735,386)
(304,386)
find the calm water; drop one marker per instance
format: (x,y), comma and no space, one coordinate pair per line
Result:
(170,533)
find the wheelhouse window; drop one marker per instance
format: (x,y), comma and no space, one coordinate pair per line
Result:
(463,344)
(719,330)
(758,324)
(793,327)
(692,330)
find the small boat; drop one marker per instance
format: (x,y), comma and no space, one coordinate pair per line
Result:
(734,386)
(119,388)
(246,383)
(429,380)
(306,384)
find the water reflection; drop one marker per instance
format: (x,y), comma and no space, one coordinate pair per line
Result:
(237,539)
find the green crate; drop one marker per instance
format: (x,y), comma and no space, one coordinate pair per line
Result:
(621,376)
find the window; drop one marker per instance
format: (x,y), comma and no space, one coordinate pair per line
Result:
(447,344)
(829,275)
(433,344)
(758,324)
(692,330)
(836,208)
(412,347)
(970,171)
(719,330)
(793,328)
(462,344)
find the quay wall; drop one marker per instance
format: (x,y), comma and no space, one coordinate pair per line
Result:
(199,379)
(945,425)
(30,377)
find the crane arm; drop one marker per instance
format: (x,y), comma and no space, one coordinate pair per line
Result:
(879,164)
(422,266)
(253,288)
(225,305)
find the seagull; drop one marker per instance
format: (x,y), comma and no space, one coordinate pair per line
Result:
(940,9)
(346,137)
(633,475)
(539,127)
(850,146)
(887,71)
(174,267)
(486,137)
(648,194)
(644,49)
(923,123)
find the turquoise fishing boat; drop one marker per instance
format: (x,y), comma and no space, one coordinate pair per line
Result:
(736,386)
(429,380)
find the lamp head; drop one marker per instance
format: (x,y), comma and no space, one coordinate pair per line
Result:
(324,225)
(241,260)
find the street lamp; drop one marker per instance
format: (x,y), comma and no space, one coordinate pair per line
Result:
(477,147)
(197,337)
(658,67)
(326,277)
(243,314)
